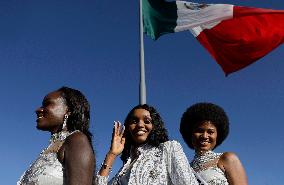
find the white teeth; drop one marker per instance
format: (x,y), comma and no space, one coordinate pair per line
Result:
(39,117)
(204,142)
(140,132)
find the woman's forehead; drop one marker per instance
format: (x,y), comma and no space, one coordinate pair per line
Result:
(141,112)
(207,124)
(53,96)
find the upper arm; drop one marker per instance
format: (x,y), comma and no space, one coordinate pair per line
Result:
(233,168)
(178,166)
(79,160)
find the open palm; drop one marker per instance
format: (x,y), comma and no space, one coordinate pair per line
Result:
(118,141)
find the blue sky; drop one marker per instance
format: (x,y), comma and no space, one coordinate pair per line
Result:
(93,46)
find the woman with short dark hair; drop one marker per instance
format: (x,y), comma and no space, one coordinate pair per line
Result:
(204,126)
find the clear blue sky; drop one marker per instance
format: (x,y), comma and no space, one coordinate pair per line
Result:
(93,46)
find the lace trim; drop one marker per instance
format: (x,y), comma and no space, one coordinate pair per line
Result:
(205,160)
(56,141)
(47,160)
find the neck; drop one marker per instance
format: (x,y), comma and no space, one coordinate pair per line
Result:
(136,149)
(136,145)
(59,136)
(58,130)
(202,152)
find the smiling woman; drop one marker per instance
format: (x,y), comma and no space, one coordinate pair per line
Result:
(204,126)
(148,155)
(51,113)
(140,125)
(69,158)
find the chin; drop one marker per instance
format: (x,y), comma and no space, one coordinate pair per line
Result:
(140,142)
(205,148)
(202,148)
(40,127)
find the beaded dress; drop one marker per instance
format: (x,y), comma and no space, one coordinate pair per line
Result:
(205,165)
(162,165)
(47,169)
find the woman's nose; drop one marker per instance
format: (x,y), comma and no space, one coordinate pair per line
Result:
(204,135)
(39,110)
(140,123)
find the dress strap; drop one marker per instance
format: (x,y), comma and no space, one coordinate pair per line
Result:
(70,133)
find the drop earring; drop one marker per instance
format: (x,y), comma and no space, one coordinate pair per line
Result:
(64,125)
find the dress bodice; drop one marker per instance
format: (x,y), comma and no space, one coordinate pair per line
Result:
(46,169)
(206,167)
(162,165)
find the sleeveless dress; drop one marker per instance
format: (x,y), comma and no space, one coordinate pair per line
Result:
(47,169)
(205,165)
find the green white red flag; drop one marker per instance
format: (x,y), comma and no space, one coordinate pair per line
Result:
(235,36)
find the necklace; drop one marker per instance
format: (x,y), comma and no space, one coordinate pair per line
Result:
(60,136)
(55,142)
(203,160)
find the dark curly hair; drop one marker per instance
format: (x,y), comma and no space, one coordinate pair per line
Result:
(79,118)
(158,134)
(198,114)
(79,108)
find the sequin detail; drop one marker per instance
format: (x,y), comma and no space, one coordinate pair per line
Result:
(206,167)
(162,165)
(46,169)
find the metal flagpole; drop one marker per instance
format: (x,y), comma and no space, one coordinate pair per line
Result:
(142,65)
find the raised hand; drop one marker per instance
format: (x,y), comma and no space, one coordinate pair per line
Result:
(118,140)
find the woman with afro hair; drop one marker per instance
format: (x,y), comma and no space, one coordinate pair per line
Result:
(147,154)
(204,126)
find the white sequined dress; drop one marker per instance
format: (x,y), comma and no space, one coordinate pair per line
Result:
(162,165)
(205,165)
(46,169)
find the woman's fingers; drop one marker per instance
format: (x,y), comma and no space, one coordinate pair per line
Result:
(122,131)
(118,139)
(118,129)
(114,129)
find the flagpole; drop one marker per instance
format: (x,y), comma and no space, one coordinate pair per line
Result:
(142,89)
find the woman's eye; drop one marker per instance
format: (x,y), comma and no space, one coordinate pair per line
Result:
(199,130)
(211,132)
(46,103)
(147,121)
(133,121)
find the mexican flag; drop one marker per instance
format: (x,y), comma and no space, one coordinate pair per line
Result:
(235,36)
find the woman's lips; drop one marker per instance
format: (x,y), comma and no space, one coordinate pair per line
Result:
(140,132)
